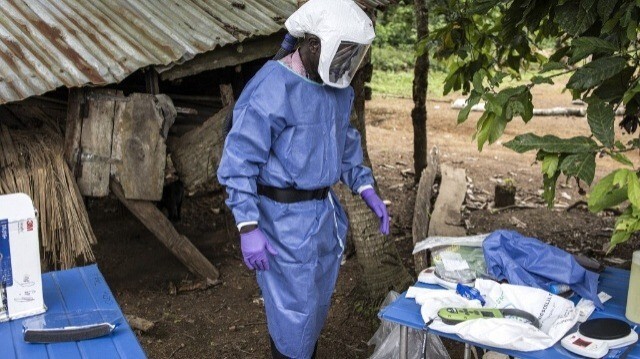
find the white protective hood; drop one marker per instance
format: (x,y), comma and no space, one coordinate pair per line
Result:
(335,22)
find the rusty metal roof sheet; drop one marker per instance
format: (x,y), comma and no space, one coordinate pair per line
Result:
(45,44)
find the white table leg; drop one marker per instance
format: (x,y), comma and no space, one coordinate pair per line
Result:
(467,351)
(404,337)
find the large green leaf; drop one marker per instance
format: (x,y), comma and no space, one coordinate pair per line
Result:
(601,119)
(482,6)
(585,46)
(550,164)
(553,65)
(621,158)
(580,165)
(575,17)
(538,80)
(473,100)
(490,128)
(595,72)
(604,195)
(633,186)
(552,144)
(605,8)
(612,89)
(620,177)
(617,238)
(631,93)
(520,105)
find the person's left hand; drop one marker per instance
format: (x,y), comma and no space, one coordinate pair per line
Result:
(378,207)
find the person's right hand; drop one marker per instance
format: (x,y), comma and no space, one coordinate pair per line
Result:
(255,245)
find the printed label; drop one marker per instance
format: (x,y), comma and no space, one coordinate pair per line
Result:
(6,277)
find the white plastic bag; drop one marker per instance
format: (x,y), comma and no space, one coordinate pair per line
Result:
(387,340)
(556,315)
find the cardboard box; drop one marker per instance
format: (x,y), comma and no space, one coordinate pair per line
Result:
(20,276)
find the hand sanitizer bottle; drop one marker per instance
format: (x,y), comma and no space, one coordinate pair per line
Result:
(633,299)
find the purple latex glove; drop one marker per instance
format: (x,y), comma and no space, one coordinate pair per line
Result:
(378,207)
(254,247)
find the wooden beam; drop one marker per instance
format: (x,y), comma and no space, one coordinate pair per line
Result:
(158,224)
(229,55)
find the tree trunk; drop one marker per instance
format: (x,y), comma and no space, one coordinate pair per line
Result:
(420,83)
(377,254)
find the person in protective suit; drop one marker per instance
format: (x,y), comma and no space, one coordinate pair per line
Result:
(290,141)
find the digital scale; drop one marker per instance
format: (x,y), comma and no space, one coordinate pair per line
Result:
(453,316)
(596,337)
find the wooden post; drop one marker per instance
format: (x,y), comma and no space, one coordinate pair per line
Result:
(422,209)
(73,128)
(420,84)
(96,140)
(152,83)
(156,222)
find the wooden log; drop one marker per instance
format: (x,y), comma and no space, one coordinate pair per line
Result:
(446,215)
(505,195)
(553,111)
(158,224)
(196,154)
(422,209)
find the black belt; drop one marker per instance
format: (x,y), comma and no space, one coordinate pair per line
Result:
(292,195)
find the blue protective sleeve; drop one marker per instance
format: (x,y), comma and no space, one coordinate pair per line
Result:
(530,262)
(246,150)
(353,173)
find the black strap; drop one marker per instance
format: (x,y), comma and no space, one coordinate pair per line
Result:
(292,195)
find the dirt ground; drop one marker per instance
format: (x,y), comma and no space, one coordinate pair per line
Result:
(227,320)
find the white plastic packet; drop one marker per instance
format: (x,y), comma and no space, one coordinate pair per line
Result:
(557,316)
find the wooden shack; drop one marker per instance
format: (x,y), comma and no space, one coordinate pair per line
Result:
(132,83)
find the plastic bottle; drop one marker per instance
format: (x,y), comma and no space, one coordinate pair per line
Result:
(559,288)
(470,293)
(633,298)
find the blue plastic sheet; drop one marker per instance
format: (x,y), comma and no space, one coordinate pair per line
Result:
(527,261)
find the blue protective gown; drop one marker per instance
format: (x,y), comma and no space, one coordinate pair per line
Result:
(291,132)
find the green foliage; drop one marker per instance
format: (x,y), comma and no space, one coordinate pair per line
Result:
(485,42)
(390,58)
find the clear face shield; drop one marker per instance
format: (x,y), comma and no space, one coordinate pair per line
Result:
(345,63)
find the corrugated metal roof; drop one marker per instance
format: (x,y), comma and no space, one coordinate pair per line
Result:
(45,44)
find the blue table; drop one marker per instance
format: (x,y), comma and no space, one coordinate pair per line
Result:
(70,290)
(615,282)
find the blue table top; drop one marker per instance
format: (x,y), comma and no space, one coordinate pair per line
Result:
(613,281)
(82,288)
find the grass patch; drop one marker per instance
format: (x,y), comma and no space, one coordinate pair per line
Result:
(400,83)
